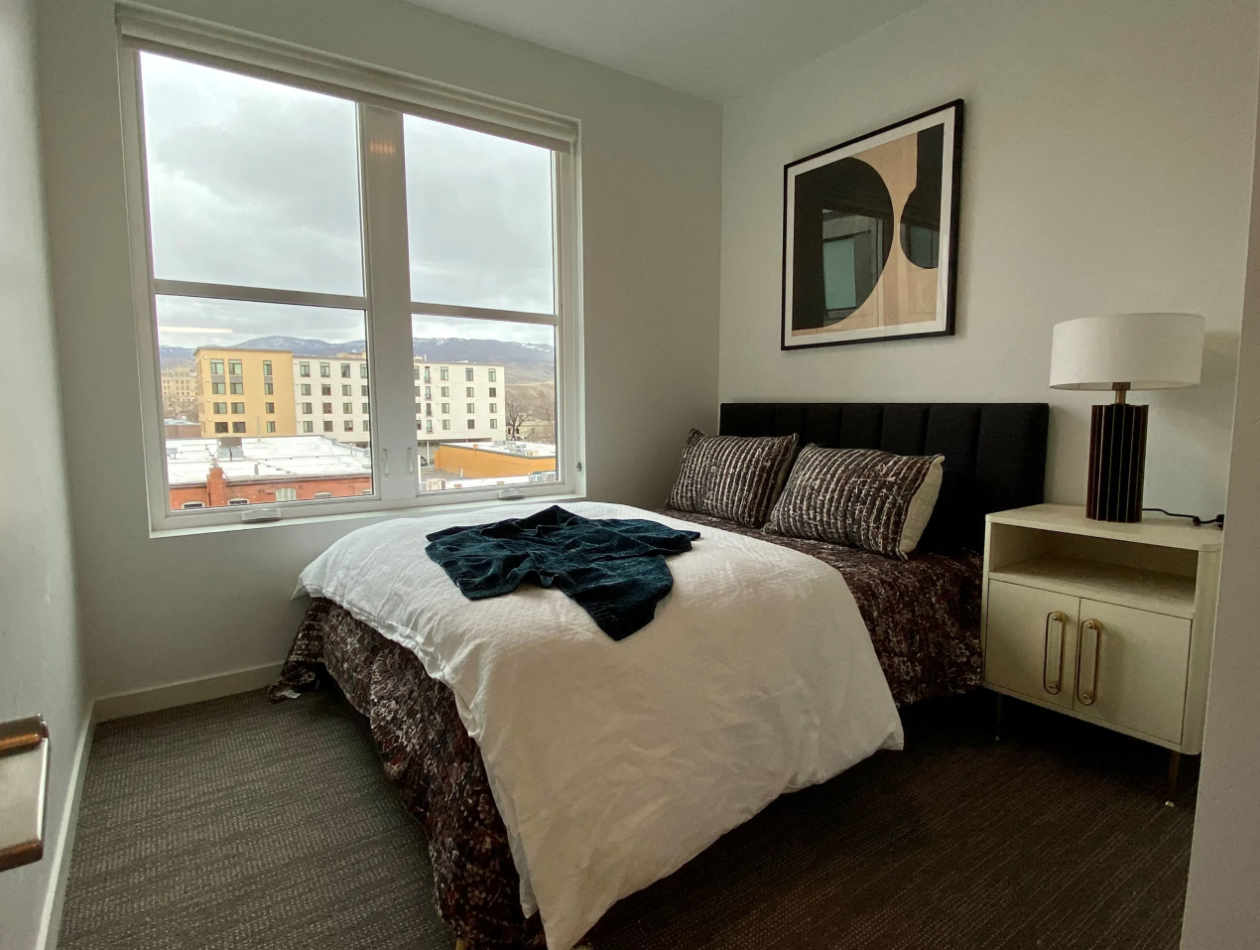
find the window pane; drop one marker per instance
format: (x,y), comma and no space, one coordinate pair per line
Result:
(508,439)
(479,212)
(262,450)
(250,182)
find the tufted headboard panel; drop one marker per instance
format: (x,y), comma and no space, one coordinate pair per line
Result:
(995,453)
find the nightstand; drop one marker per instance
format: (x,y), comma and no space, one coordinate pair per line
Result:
(1110,623)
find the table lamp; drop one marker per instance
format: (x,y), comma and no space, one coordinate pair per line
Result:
(1121,352)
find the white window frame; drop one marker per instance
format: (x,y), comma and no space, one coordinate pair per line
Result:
(382,97)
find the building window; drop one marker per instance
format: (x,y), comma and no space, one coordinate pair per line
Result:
(307,408)
(494,407)
(470,391)
(428,425)
(238,501)
(328,426)
(308,426)
(471,407)
(367,426)
(218,389)
(220,408)
(286,494)
(446,390)
(428,392)
(472,423)
(492,375)
(428,408)
(190,505)
(446,423)
(186,124)
(494,423)
(322,494)
(220,428)
(325,389)
(363,390)
(493,392)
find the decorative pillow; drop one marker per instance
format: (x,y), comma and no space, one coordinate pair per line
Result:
(861,498)
(731,477)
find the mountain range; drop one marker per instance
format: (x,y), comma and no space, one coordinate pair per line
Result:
(530,360)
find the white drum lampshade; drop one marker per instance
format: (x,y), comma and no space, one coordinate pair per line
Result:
(1121,352)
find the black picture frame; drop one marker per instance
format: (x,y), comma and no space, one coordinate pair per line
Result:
(837,201)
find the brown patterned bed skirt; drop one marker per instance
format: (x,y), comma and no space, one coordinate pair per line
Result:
(924,619)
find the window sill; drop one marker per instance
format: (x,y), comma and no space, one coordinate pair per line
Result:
(364,518)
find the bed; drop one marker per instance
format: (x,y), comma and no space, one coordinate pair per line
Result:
(922,618)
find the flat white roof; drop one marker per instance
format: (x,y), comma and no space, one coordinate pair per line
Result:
(188,461)
(518,449)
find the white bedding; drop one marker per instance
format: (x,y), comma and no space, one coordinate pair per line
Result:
(615,763)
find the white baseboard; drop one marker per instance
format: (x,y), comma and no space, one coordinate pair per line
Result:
(50,919)
(185,692)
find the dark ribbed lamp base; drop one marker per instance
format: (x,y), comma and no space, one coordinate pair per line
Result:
(1117,461)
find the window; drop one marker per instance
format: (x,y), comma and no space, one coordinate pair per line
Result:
(367,427)
(428,408)
(494,423)
(493,392)
(220,427)
(220,408)
(428,425)
(218,389)
(190,505)
(247,215)
(471,407)
(286,494)
(238,501)
(322,494)
(417,392)
(428,392)
(494,407)
(325,389)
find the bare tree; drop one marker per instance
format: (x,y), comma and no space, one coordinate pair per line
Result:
(514,413)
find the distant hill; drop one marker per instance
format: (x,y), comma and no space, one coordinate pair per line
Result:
(527,361)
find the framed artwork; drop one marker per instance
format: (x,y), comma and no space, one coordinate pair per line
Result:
(870,235)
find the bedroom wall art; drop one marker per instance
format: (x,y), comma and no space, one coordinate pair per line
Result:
(870,235)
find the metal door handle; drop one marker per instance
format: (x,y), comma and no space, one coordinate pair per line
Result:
(1055,686)
(1090,696)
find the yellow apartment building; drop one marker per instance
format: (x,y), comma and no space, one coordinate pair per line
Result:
(245,392)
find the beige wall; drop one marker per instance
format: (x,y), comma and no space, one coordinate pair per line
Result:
(156,611)
(1107,168)
(1223,899)
(39,655)
(254,399)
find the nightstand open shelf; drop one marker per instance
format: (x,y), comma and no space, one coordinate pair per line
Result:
(1110,623)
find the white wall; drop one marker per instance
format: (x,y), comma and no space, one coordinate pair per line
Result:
(1107,168)
(39,663)
(1223,897)
(157,611)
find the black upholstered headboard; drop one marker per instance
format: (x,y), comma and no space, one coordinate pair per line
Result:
(995,453)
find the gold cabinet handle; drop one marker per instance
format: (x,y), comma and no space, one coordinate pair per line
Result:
(1055,686)
(1089,696)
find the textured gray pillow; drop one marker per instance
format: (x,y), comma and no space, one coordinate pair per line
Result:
(732,477)
(861,498)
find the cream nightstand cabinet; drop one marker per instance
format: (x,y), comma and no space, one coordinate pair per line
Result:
(1111,623)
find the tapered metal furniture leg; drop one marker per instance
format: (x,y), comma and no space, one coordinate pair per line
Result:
(1174,773)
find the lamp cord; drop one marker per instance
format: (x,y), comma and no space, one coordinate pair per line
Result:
(1218,521)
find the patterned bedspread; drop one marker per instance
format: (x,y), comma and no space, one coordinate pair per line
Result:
(924,619)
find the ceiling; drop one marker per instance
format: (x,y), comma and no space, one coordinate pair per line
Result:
(715,49)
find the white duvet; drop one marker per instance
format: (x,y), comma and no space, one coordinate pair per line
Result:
(615,763)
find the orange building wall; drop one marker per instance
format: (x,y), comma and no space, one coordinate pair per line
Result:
(471,462)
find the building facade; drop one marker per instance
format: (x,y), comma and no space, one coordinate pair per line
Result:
(463,402)
(179,392)
(332,397)
(245,392)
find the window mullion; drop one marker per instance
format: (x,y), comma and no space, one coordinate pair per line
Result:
(389,301)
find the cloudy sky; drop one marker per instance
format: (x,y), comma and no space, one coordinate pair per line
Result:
(257,184)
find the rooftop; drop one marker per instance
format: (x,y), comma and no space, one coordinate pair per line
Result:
(188,461)
(519,449)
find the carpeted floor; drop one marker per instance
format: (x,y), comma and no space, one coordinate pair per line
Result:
(240,824)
